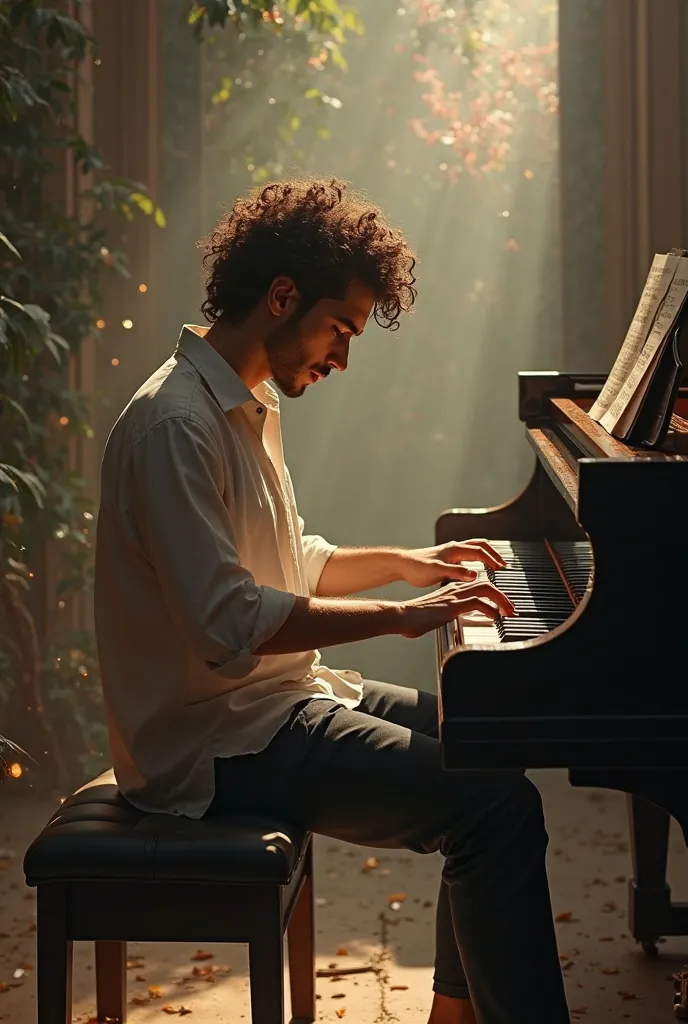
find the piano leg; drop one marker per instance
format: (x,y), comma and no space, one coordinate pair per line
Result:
(649,907)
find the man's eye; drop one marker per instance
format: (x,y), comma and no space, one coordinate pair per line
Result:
(337,331)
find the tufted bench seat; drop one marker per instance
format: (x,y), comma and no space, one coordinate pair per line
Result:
(109,873)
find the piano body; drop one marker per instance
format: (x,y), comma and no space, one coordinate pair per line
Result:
(590,675)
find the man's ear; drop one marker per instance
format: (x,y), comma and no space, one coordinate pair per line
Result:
(283,297)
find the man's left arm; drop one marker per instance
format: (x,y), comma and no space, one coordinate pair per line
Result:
(340,571)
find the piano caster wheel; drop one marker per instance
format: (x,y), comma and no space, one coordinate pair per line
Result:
(649,947)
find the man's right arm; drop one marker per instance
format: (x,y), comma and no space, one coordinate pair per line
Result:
(325,621)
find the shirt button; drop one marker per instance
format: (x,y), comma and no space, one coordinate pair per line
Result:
(259,409)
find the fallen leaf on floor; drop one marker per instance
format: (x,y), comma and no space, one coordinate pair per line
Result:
(398,988)
(201,954)
(341,1011)
(606,938)
(181,1010)
(628,995)
(428,903)
(140,977)
(371,864)
(19,973)
(338,995)
(4,987)
(320,901)
(135,962)
(565,916)
(342,951)
(396,897)
(610,970)
(609,906)
(154,992)
(580,1010)
(140,1000)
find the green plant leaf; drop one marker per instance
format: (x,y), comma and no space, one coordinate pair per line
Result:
(5,241)
(19,409)
(144,202)
(11,474)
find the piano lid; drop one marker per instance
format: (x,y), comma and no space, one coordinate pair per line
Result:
(590,468)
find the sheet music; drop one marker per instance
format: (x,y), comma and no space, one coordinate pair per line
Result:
(656,287)
(621,413)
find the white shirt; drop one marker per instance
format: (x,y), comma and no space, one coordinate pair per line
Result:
(200,555)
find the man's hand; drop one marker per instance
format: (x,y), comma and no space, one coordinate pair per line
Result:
(430,611)
(424,567)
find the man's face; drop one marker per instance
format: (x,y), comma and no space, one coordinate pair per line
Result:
(305,348)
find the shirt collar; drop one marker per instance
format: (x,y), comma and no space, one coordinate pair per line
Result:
(224,382)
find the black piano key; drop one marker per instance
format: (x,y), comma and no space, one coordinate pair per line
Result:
(532,582)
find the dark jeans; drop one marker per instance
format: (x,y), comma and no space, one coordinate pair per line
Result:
(374,777)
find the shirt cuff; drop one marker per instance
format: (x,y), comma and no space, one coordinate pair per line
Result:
(316,551)
(275,606)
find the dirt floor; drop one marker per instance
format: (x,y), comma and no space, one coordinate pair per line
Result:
(607,977)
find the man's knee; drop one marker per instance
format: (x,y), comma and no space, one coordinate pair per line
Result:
(525,803)
(508,814)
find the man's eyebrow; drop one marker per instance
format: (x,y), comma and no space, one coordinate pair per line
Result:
(350,325)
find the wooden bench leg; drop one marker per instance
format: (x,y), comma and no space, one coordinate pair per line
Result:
(54,956)
(111,981)
(266,961)
(301,944)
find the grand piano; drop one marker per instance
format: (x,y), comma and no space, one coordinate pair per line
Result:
(590,675)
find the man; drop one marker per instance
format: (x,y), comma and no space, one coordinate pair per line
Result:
(211,603)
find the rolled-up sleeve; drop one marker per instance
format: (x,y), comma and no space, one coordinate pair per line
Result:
(188,534)
(316,551)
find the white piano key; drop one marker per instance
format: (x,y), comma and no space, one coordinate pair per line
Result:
(476,635)
(476,628)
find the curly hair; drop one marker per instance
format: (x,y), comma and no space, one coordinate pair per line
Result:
(319,232)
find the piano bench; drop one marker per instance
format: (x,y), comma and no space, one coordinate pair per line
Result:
(108,873)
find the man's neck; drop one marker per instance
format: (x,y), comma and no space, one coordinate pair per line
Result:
(238,346)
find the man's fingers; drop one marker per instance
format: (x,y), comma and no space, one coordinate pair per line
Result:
(478,604)
(463,575)
(484,589)
(486,554)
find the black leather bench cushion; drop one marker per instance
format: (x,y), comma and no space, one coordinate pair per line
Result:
(96,834)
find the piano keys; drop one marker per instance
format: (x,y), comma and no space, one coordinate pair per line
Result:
(590,676)
(544,584)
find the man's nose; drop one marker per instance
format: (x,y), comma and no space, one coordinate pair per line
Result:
(339,360)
